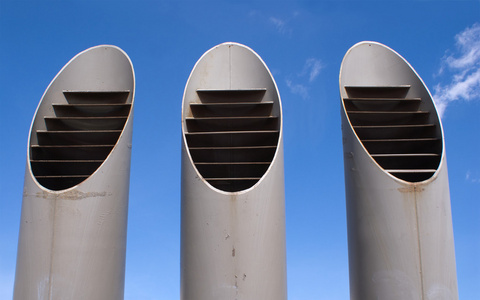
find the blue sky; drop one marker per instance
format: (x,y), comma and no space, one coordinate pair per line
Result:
(302,43)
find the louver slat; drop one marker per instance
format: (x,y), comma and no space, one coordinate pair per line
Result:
(232,154)
(394,130)
(399,131)
(231,96)
(231,124)
(69,152)
(203,110)
(379,104)
(79,137)
(232,137)
(96,97)
(90,123)
(92,110)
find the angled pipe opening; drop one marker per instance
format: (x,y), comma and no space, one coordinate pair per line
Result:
(231,133)
(393,116)
(75,129)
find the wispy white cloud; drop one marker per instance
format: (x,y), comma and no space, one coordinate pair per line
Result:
(471,178)
(297,88)
(311,70)
(284,25)
(279,24)
(464,67)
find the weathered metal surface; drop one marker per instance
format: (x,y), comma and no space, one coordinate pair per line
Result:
(73,237)
(233,241)
(400,234)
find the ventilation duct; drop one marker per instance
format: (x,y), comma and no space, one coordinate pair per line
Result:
(74,211)
(400,235)
(233,210)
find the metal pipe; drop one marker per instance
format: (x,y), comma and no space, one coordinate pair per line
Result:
(74,211)
(400,235)
(233,199)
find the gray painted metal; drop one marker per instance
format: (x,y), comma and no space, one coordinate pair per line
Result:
(74,212)
(400,234)
(233,200)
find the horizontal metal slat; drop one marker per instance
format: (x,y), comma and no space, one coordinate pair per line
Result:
(235,148)
(232,138)
(378,113)
(216,124)
(385,146)
(412,171)
(408,161)
(83,137)
(392,126)
(92,110)
(232,155)
(367,118)
(379,100)
(84,123)
(40,152)
(390,140)
(96,97)
(394,91)
(229,96)
(231,109)
(395,131)
(381,104)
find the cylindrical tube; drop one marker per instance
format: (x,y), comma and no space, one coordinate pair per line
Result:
(72,238)
(233,200)
(400,235)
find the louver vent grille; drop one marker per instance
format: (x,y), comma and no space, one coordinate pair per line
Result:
(79,137)
(393,129)
(232,137)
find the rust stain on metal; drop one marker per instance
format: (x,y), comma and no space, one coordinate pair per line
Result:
(70,195)
(411,188)
(407,189)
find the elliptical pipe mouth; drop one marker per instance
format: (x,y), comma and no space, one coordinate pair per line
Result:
(231,117)
(81,117)
(391,112)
